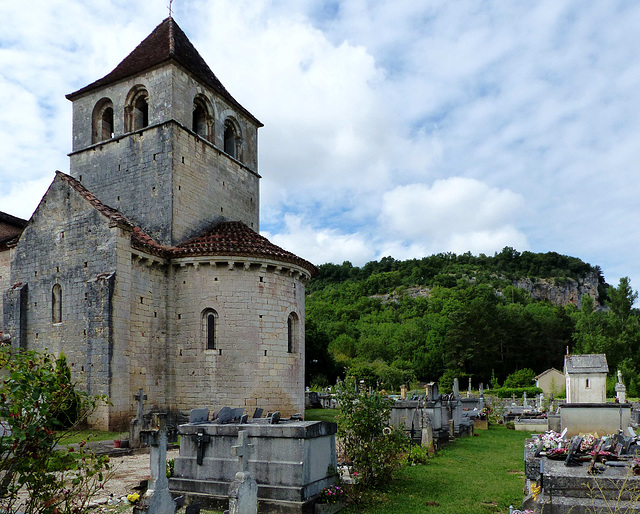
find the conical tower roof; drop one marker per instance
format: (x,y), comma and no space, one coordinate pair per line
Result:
(166,43)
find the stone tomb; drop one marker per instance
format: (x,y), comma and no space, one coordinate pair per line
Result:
(292,461)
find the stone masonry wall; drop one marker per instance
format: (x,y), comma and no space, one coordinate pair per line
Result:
(148,355)
(71,244)
(250,366)
(209,185)
(132,175)
(5,278)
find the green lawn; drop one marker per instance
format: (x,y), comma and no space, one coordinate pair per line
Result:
(92,435)
(482,474)
(320,414)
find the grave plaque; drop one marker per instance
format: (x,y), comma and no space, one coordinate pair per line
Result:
(224,416)
(573,449)
(198,415)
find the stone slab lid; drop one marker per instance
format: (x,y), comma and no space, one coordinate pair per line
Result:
(586,363)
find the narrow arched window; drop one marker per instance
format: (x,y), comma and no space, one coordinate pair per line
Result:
(292,332)
(56,304)
(230,138)
(140,113)
(202,118)
(209,328)
(107,123)
(136,111)
(102,121)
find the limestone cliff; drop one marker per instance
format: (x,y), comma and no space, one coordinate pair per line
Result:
(561,291)
(558,291)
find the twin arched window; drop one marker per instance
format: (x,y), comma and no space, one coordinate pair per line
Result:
(136,117)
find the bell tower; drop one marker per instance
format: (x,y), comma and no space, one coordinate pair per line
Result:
(161,140)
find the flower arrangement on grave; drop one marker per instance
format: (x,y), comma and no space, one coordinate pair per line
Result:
(133,498)
(550,439)
(332,494)
(557,453)
(588,443)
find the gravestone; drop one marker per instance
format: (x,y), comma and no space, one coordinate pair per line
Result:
(243,492)
(621,390)
(137,424)
(456,389)
(158,498)
(524,400)
(403,392)
(469,389)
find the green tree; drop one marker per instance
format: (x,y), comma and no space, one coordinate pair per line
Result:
(34,394)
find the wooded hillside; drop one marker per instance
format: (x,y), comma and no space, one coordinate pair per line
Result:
(460,315)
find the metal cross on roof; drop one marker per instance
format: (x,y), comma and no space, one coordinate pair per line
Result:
(170,8)
(242,450)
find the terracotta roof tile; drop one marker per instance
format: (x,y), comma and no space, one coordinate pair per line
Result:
(166,42)
(235,238)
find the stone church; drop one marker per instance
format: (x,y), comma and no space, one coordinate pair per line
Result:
(144,264)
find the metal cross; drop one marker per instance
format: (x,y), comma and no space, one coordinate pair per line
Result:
(170,8)
(242,450)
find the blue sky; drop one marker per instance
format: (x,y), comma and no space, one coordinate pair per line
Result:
(394,127)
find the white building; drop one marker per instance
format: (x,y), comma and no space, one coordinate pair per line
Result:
(586,378)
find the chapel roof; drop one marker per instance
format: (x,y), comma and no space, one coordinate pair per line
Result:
(586,363)
(226,238)
(550,370)
(10,229)
(167,42)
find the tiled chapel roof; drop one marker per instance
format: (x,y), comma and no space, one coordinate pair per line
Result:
(236,238)
(227,238)
(166,42)
(586,363)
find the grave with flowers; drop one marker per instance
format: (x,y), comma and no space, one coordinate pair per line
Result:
(584,473)
(330,500)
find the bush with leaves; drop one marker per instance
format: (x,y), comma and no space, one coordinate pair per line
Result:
(35,400)
(374,448)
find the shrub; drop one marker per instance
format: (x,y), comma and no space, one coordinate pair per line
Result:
(372,446)
(521,378)
(508,392)
(34,395)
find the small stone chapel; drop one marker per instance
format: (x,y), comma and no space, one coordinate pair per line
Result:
(144,264)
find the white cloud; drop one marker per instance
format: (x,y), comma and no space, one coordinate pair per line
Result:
(23,197)
(451,206)
(321,245)
(370,106)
